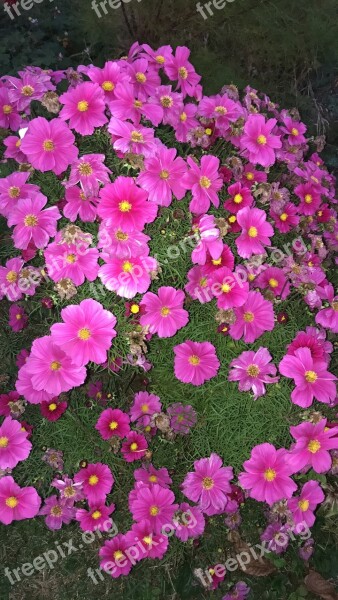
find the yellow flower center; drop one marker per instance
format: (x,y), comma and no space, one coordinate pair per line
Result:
(145,408)
(69,492)
(217,262)
(52,407)
(207,483)
(127,267)
(164,174)
(147,540)
(194,360)
(203,282)
(12,502)
(283,217)
(18,317)
(208,131)
(125,206)
(252,232)
(96,515)
(30,221)
(314,446)
(154,510)
(273,282)
(27,90)
(226,288)
(11,276)
(135,309)
(18,144)
(294,131)
(308,198)
(122,237)
(253,370)
(56,511)
(138,103)
(183,116)
(183,73)
(311,376)
(303,505)
(238,198)
(166,101)
(48,145)
(118,555)
(133,447)
(141,78)
(108,86)
(205,182)
(93,480)
(165,311)
(84,333)
(113,425)
(7,109)
(71,258)
(221,110)
(335,305)
(14,192)
(232,219)
(248,316)
(55,365)
(4,442)
(82,106)
(136,137)
(270,475)
(152,478)
(85,169)
(261,140)
(250,176)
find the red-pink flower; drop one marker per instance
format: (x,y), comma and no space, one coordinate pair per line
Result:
(144,404)
(253,318)
(96,518)
(18,319)
(253,370)
(114,561)
(17,503)
(240,198)
(14,445)
(311,377)
(312,447)
(179,68)
(155,504)
(127,137)
(135,447)
(113,422)
(124,205)
(33,222)
(274,280)
(303,507)
(164,312)
(49,145)
(84,107)
(97,482)
(53,409)
(258,142)
(162,176)
(287,219)
(310,198)
(209,484)
(5,401)
(328,317)
(127,277)
(255,234)
(267,476)
(147,543)
(86,333)
(195,362)
(228,288)
(204,183)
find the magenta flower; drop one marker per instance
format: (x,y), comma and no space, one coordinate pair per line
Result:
(70,492)
(310,198)
(128,105)
(14,188)
(127,137)
(162,177)
(164,312)
(76,262)
(5,402)
(240,591)
(287,219)
(113,422)
(135,447)
(303,507)
(220,109)
(152,545)
(209,240)
(80,205)
(148,475)
(53,409)
(182,417)
(197,286)
(122,244)
(26,389)
(195,362)
(128,277)
(228,288)
(9,117)
(255,234)
(204,183)
(86,333)
(277,537)
(311,377)
(96,518)
(14,445)
(57,513)
(240,198)
(253,318)
(144,404)
(209,484)
(51,369)
(107,78)
(84,107)
(313,444)
(33,223)
(124,205)
(267,476)
(155,504)
(274,280)
(49,145)
(253,371)
(97,482)
(189,522)
(90,171)
(18,319)
(113,559)
(258,142)
(294,130)
(328,317)
(178,68)
(144,78)
(13,149)
(10,280)
(17,503)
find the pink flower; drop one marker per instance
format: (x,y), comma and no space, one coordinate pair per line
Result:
(84,107)
(328,317)
(185,122)
(14,445)
(310,198)
(164,312)
(154,504)
(86,333)
(70,492)
(197,286)
(311,378)
(22,91)
(267,476)
(13,150)
(107,78)
(315,340)
(18,319)
(113,559)
(9,117)
(220,109)
(79,205)
(76,262)
(57,513)
(255,234)
(97,482)
(162,176)
(302,508)
(228,288)
(51,369)
(148,475)
(89,171)
(195,362)
(113,422)
(144,77)
(128,105)
(122,244)
(209,484)
(128,277)
(252,370)
(10,284)
(124,205)
(96,518)
(209,240)
(5,402)
(204,183)
(189,522)
(240,198)
(26,389)
(253,318)
(258,143)
(287,219)
(32,223)
(49,145)
(17,503)
(275,281)
(53,409)
(12,189)
(127,137)
(294,130)
(144,404)
(178,68)
(135,447)
(313,443)
(146,542)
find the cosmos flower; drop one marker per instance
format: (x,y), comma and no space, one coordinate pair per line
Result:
(162,176)
(148,475)
(113,422)
(328,317)
(14,445)
(33,222)
(164,312)
(124,205)
(13,188)
(53,409)
(97,481)
(303,507)
(209,484)
(80,205)
(96,518)
(204,183)
(113,560)
(150,544)
(144,404)
(228,288)
(312,448)
(90,171)
(18,319)
(253,318)
(182,417)
(17,503)
(155,504)
(127,277)
(253,370)
(189,522)
(57,513)
(195,362)
(135,447)
(127,137)
(258,142)
(255,232)
(84,107)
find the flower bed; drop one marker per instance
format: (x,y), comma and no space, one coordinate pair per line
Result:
(170,305)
